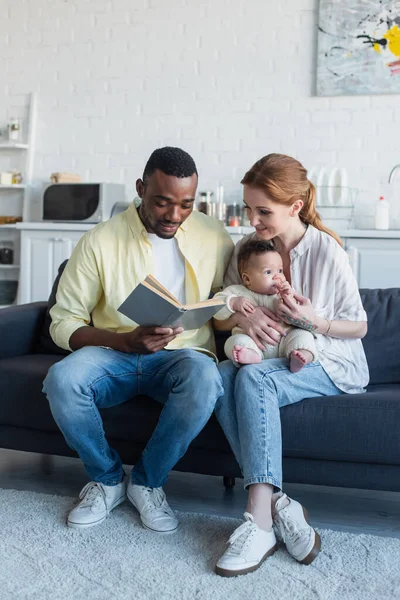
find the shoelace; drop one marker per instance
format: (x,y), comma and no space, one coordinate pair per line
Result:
(156,499)
(90,494)
(241,536)
(291,529)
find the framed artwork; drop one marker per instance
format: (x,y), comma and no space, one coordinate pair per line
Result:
(358,47)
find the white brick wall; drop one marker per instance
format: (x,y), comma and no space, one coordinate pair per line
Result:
(227,81)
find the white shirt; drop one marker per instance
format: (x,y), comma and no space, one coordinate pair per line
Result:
(320,270)
(169,265)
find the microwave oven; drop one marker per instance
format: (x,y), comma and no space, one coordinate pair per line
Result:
(81,202)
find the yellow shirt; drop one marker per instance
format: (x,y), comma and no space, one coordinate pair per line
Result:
(111,259)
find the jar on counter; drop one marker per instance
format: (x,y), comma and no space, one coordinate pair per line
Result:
(205,205)
(245,218)
(233,218)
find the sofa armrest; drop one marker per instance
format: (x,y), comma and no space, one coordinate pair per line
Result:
(19,328)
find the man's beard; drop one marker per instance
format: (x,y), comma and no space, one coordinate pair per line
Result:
(154,227)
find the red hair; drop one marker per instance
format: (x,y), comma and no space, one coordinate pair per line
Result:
(284,180)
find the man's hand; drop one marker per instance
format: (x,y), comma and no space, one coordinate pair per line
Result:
(242,305)
(262,326)
(147,340)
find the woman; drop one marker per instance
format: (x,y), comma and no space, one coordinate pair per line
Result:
(280,203)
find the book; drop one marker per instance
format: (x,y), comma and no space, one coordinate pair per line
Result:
(151,304)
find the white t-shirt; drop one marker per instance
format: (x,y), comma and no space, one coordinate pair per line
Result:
(320,270)
(169,265)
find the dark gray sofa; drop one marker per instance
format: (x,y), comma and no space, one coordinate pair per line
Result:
(347,440)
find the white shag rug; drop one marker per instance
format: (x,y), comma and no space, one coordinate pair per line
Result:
(42,559)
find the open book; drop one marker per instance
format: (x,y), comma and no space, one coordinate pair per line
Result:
(151,303)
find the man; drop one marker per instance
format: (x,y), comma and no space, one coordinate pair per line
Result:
(115,360)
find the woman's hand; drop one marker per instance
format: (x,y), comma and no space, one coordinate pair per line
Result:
(262,326)
(297,310)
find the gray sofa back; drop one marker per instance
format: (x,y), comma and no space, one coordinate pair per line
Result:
(382,342)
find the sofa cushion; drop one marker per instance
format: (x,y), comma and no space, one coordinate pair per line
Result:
(381,344)
(22,402)
(353,427)
(349,427)
(45,343)
(24,405)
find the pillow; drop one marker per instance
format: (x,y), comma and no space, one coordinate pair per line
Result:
(46,344)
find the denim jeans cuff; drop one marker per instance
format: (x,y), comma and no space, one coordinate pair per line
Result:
(112,482)
(262,479)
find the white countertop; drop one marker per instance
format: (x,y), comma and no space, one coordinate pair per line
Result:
(46,226)
(344,233)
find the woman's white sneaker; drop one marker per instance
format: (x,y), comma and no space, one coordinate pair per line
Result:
(96,501)
(248,547)
(301,540)
(154,510)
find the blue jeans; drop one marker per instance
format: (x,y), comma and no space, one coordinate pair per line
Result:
(185,381)
(249,411)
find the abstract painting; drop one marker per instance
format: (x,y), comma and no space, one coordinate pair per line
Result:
(358,47)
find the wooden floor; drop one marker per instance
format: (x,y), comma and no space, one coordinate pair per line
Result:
(358,511)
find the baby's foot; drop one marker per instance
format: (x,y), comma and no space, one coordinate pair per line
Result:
(245,356)
(300,358)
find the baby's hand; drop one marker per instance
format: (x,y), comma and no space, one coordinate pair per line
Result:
(285,289)
(242,305)
(281,284)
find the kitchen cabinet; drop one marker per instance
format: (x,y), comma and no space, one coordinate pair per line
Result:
(42,252)
(375,261)
(374,256)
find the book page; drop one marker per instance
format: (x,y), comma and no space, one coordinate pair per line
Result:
(211,302)
(151,280)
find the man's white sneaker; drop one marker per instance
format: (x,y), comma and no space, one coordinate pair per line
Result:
(96,501)
(301,540)
(248,547)
(154,510)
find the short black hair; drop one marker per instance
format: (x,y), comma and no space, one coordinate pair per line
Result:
(171,161)
(250,247)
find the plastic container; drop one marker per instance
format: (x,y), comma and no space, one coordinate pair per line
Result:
(382,214)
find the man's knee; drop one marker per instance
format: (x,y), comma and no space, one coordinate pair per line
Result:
(68,376)
(200,374)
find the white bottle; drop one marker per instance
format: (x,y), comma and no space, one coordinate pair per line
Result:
(382,214)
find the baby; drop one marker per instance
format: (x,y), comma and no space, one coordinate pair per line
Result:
(261,269)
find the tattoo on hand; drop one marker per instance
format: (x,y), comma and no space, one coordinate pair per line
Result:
(302,323)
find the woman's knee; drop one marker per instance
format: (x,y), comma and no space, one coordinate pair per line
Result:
(254,382)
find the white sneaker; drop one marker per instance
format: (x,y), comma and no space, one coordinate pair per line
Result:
(249,546)
(97,500)
(301,540)
(154,510)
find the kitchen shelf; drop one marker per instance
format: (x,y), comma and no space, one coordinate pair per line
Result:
(8,225)
(9,266)
(13,146)
(15,186)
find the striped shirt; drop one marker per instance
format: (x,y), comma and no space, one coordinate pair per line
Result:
(320,270)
